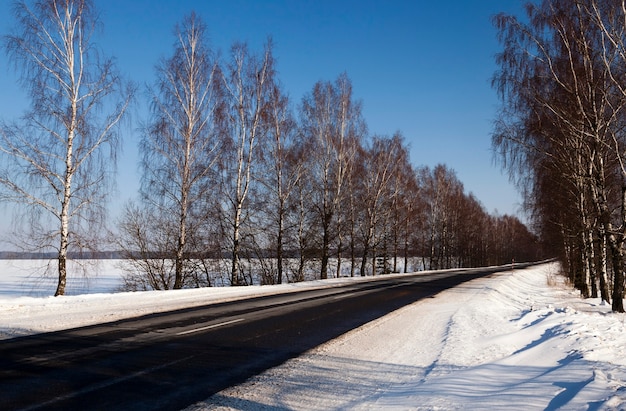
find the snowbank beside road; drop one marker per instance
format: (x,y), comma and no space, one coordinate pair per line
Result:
(512,341)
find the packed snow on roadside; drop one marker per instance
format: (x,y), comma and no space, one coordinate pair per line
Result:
(520,341)
(517,340)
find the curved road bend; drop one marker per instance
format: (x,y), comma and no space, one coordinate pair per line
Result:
(171,360)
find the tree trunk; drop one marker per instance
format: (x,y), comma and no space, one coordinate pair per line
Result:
(582,279)
(235,278)
(325,247)
(366,248)
(279,247)
(591,266)
(352,254)
(64,244)
(65,205)
(618,291)
(182,239)
(62,271)
(339,247)
(366,251)
(602,274)
(406,249)
(618,280)
(301,240)
(178,280)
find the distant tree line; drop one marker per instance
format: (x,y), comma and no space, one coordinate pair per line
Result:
(238,186)
(562,80)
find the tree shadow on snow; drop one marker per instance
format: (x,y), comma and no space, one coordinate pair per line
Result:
(321,382)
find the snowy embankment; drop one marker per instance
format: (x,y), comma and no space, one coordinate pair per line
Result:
(518,340)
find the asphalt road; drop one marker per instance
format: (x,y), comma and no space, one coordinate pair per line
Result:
(171,360)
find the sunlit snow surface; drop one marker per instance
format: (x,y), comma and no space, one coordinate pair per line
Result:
(511,342)
(520,340)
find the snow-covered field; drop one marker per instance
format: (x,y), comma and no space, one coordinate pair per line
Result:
(31,278)
(520,340)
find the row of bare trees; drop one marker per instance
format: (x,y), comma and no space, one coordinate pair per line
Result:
(454,230)
(232,174)
(562,79)
(237,187)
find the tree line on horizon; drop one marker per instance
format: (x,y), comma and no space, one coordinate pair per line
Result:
(228,169)
(561,133)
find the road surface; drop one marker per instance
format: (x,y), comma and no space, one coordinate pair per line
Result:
(171,360)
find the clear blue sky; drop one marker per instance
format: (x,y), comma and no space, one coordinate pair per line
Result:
(421,67)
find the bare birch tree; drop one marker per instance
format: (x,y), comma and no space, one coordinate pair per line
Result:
(378,165)
(442,191)
(283,170)
(248,80)
(56,162)
(331,120)
(402,178)
(181,143)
